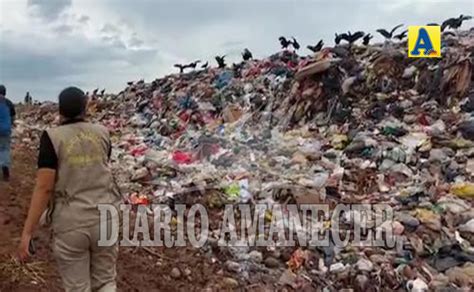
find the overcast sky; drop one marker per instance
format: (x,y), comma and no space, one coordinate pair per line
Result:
(46,45)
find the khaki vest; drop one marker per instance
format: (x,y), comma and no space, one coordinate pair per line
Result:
(83,178)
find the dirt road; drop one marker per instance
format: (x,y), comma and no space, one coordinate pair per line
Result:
(138,269)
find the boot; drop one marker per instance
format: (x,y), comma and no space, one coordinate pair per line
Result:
(6,173)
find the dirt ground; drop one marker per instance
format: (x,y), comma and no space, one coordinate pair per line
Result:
(138,269)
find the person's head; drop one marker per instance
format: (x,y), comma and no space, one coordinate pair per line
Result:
(72,103)
(3,90)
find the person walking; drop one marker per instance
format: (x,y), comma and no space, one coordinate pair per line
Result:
(28,98)
(7,119)
(74,177)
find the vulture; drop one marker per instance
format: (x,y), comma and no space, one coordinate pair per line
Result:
(193,64)
(337,38)
(284,42)
(386,34)
(401,35)
(221,61)
(295,44)
(247,55)
(352,38)
(454,23)
(181,67)
(317,47)
(366,39)
(449,33)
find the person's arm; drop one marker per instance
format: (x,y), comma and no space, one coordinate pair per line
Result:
(12,110)
(109,151)
(46,178)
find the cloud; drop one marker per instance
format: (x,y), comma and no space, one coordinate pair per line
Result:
(115,41)
(63,29)
(135,41)
(109,28)
(83,19)
(104,43)
(71,59)
(49,9)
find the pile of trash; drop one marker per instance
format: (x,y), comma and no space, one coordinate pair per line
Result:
(346,125)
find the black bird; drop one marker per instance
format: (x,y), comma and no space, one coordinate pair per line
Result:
(204,66)
(193,64)
(401,35)
(295,44)
(247,55)
(94,93)
(130,83)
(317,47)
(454,23)
(181,67)
(221,61)
(237,69)
(386,34)
(102,92)
(337,38)
(238,66)
(449,33)
(445,23)
(284,42)
(435,24)
(352,38)
(366,39)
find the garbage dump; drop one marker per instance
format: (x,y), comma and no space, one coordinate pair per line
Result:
(347,124)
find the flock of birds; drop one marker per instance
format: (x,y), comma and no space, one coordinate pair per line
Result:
(96,93)
(350,38)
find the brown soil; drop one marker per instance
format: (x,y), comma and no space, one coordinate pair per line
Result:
(138,269)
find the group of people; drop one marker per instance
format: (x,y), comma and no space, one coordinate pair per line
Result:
(73,177)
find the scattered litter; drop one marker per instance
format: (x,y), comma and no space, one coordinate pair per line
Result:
(351,124)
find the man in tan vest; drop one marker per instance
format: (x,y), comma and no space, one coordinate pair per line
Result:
(73,177)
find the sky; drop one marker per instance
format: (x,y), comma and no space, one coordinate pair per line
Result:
(47,45)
